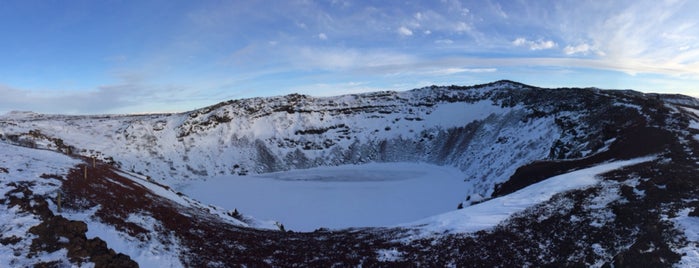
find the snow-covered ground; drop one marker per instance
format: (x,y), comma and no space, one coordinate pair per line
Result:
(25,166)
(690,226)
(338,197)
(492,212)
(147,253)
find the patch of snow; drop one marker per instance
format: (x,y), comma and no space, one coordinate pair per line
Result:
(25,166)
(488,214)
(448,115)
(690,225)
(693,124)
(694,111)
(63,240)
(14,223)
(600,213)
(61,256)
(157,189)
(151,251)
(633,183)
(188,202)
(389,255)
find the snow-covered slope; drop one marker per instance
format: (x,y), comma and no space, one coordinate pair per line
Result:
(578,176)
(486,131)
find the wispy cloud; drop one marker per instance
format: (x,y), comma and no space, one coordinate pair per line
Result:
(123,97)
(404,31)
(451,71)
(579,49)
(207,51)
(534,45)
(315,58)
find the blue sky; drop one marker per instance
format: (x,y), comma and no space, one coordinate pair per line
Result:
(85,57)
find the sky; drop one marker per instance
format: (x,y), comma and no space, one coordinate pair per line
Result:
(146,56)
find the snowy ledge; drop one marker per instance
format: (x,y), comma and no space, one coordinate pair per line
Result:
(488,214)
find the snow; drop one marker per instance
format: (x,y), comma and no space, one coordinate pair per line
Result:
(157,189)
(155,144)
(694,111)
(337,197)
(185,201)
(27,165)
(448,115)
(488,214)
(690,225)
(601,213)
(694,124)
(389,255)
(152,251)
(14,223)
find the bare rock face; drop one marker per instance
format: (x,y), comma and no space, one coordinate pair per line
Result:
(695,212)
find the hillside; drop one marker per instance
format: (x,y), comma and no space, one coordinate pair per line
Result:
(561,177)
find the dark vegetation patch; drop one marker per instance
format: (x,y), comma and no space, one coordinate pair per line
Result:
(635,133)
(635,142)
(56,232)
(318,131)
(29,140)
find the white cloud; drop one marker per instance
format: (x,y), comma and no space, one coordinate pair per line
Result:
(579,49)
(444,41)
(548,44)
(118,98)
(450,71)
(309,58)
(465,11)
(334,89)
(534,45)
(521,41)
(404,31)
(461,27)
(418,16)
(322,36)
(499,11)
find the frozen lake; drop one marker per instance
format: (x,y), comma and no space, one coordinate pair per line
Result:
(370,195)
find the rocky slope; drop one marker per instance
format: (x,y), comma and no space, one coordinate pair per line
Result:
(507,136)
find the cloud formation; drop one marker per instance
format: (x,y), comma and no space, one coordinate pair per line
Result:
(534,45)
(404,31)
(579,49)
(183,54)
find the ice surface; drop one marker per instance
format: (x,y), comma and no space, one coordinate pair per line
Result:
(338,197)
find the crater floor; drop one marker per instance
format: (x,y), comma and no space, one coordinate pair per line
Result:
(369,195)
